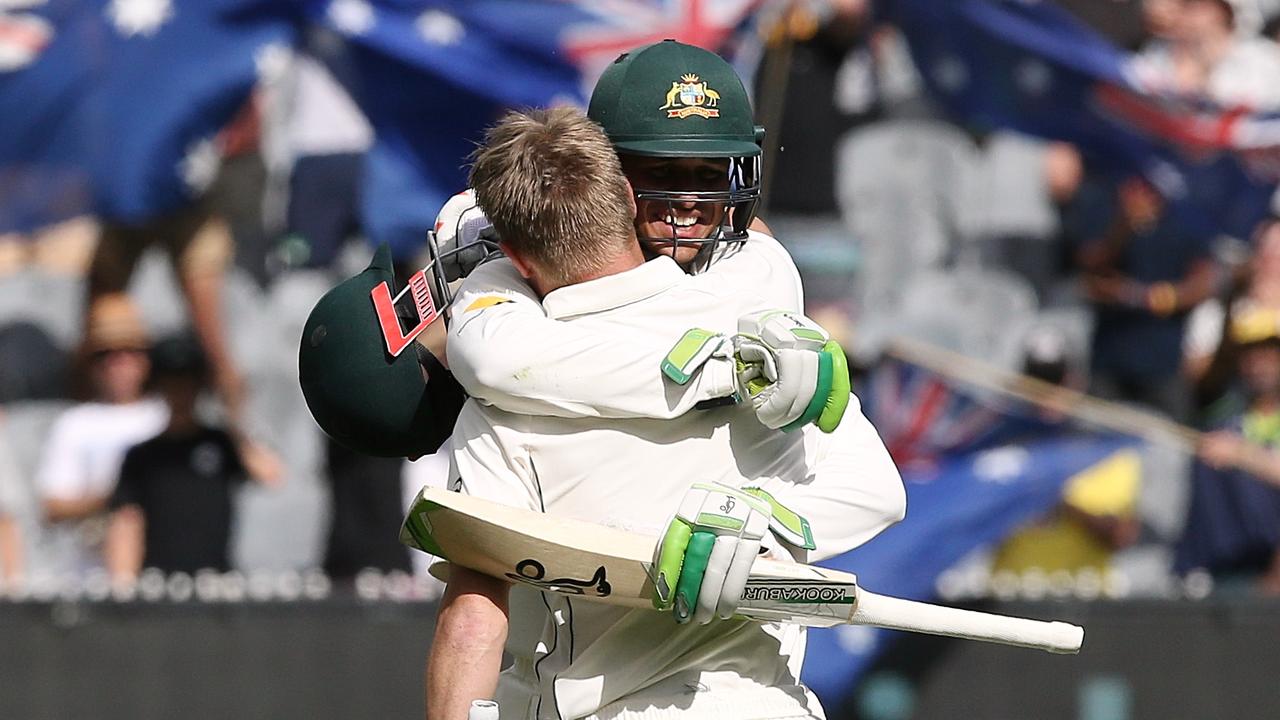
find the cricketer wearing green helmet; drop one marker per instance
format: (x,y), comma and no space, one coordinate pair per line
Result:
(680,120)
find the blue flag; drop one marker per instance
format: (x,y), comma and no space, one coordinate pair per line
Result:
(1035,68)
(963,503)
(116,107)
(432,74)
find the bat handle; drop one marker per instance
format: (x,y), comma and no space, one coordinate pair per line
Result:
(899,614)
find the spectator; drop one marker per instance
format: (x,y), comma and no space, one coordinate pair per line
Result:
(367,508)
(1209,355)
(1204,55)
(86,443)
(323,138)
(1143,275)
(200,245)
(1233,525)
(172,508)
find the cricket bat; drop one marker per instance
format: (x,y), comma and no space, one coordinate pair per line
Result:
(609,565)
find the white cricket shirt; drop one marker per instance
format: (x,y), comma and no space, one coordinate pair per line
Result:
(509,351)
(631,473)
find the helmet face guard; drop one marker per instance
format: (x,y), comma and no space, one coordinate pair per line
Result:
(671,100)
(738,204)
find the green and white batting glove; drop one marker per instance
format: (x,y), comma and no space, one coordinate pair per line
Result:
(786,365)
(791,370)
(703,560)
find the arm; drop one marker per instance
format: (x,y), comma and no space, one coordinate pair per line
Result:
(10,549)
(488,461)
(59,509)
(506,352)
(851,491)
(466,651)
(61,476)
(123,546)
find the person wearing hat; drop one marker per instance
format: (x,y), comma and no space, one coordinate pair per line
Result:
(172,508)
(82,455)
(1233,524)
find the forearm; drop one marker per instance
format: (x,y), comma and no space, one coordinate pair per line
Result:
(466,651)
(852,492)
(506,352)
(10,549)
(123,548)
(1102,253)
(59,509)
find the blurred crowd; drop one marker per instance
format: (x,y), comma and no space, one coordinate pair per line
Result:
(1038,258)
(147,371)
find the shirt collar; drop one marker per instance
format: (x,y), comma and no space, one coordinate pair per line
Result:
(613,291)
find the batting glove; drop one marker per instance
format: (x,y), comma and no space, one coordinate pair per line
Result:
(464,237)
(704,558)
(791,370)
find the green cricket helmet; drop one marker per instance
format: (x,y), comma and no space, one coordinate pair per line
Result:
(360,368)
(674,100)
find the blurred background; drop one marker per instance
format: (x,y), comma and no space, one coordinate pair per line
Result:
(1045,232)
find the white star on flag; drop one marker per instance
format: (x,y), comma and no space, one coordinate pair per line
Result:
(351,17)
(139,17)
(272,61)
(199,168)
(440,28)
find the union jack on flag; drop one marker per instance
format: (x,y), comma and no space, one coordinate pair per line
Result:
(922,416)
(621,25)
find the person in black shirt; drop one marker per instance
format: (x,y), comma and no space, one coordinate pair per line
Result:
(172,507)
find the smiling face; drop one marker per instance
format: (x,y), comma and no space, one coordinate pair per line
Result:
(662,223)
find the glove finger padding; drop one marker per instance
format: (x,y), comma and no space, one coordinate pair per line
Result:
(838,399)
(792,371)
(698,569)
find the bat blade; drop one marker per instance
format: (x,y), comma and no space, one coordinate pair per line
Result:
(610,565)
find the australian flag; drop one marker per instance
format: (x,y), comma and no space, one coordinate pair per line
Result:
(956,505)
(1033,67)
(432,74)
(113,107)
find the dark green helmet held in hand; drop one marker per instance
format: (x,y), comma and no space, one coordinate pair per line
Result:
(672,100)
(361,370)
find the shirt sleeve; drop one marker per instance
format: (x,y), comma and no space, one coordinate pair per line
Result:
(506,352)
(128,490)
(851,490)
(759,265)
(236,472)
(61,475)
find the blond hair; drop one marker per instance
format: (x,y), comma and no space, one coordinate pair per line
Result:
(551,184)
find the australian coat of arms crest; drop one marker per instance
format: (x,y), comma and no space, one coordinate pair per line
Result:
(691,96)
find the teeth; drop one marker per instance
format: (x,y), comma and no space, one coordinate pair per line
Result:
(681,221)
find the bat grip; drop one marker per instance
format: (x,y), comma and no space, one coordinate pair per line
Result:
(899,614)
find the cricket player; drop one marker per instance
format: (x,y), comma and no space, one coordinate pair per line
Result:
(695,183)
(849,484)
(554,190)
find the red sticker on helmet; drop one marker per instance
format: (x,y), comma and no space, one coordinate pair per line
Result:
(419,292)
